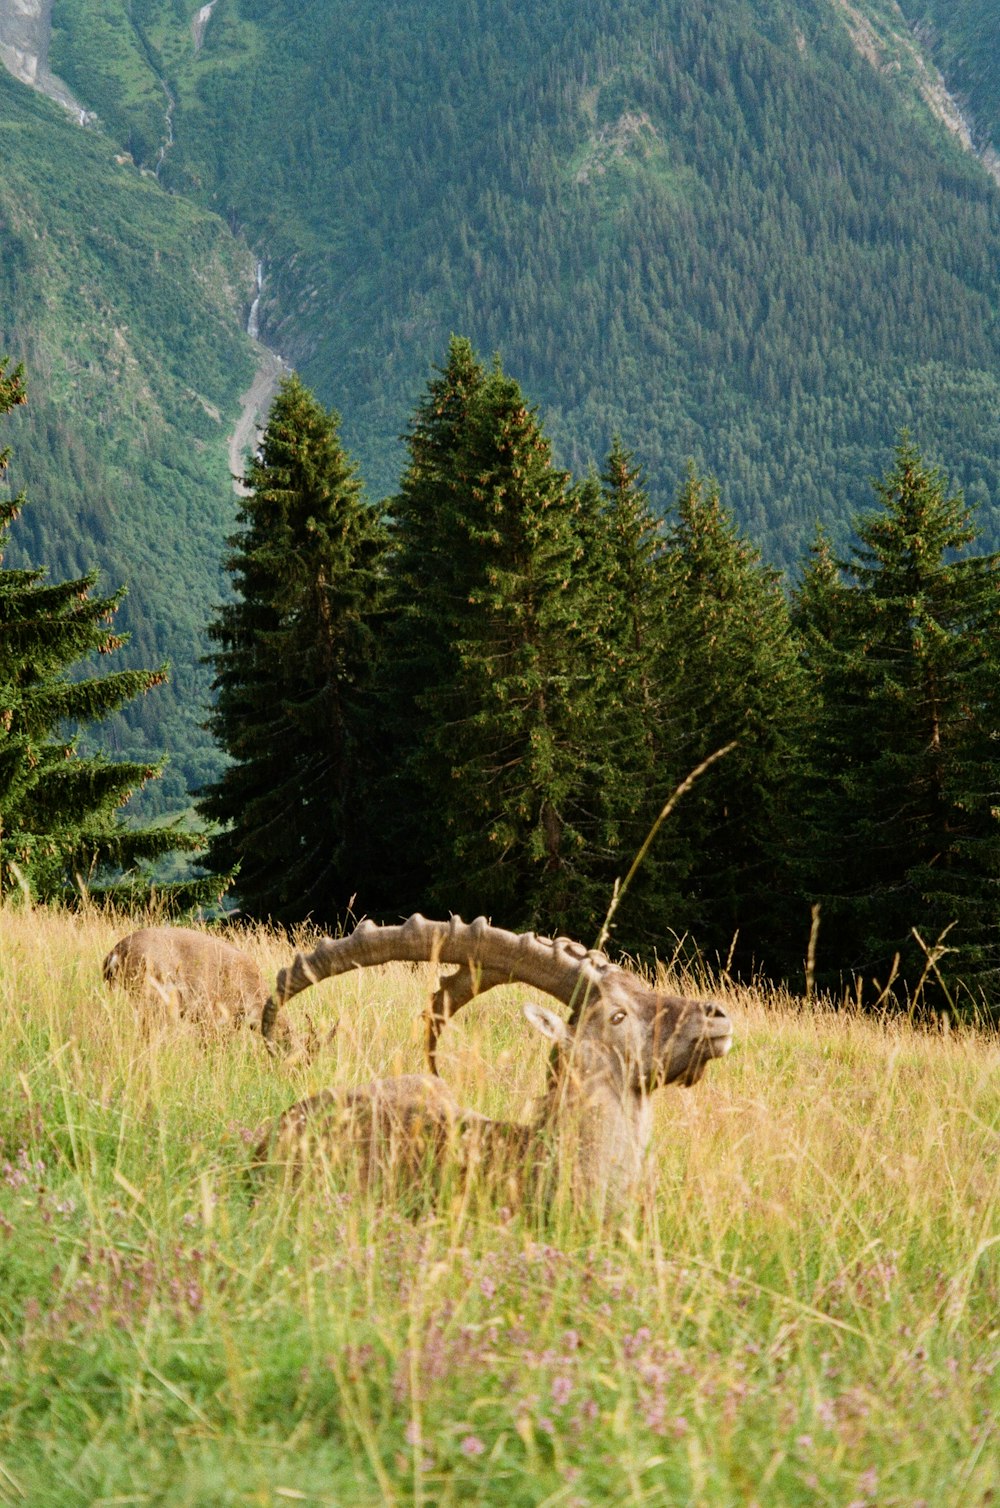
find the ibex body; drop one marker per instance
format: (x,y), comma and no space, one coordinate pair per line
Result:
(197,976)
(623,1040)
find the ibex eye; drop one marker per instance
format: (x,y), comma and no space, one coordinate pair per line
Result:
(617,1017)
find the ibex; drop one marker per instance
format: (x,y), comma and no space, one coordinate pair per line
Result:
(198,976)
(622,1041)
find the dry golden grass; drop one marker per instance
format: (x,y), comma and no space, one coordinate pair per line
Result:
(804,1310)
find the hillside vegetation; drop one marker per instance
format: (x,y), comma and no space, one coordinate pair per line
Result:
(803,1310)
(740,235)
(125,305)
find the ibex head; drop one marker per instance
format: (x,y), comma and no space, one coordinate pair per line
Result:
(641,1039)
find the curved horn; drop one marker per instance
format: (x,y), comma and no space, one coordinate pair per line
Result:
(454,991)
(486,956)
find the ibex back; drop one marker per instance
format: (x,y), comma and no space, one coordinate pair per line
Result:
(197,976)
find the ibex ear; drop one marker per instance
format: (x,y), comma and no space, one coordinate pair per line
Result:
(547,1022)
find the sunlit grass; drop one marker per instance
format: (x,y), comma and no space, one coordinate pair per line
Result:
(803,1308)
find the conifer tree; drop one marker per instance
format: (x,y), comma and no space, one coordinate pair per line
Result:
(728,672)
(427,589)
(60,826)
(293,668)
(501,623)
(902,641)
(513,716)
(428,510)
(636,540)
(629,540)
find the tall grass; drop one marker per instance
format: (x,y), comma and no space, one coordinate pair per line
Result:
(804,1309)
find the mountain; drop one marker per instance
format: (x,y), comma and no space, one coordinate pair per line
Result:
(960,36)
(756,233)
(126,306)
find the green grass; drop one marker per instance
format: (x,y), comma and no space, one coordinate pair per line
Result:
(804,1308)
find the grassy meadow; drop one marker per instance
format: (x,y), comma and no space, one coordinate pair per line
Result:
(805,1308)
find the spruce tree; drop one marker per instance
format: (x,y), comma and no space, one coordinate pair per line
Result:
(511,719)
(293,666)
(497,605)
(728,672)
(630,729)
(902,642)
(60,824)
(635,542)
(427,591)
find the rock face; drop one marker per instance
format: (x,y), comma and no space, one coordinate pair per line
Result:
(199,23)
(256,403)
(25,29)
(893,48)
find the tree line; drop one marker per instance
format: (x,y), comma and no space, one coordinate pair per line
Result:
(480,694)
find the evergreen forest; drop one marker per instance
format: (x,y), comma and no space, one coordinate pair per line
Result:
(742,234)
(489,693)
(734,255)
(728,232)
(484,698)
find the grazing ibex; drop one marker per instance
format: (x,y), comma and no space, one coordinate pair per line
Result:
(198,976)
(622,1041)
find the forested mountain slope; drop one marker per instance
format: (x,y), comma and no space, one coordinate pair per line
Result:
(737,232)
(741,233)
(126,306)
(962,38)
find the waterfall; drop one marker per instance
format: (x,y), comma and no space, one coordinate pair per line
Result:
(199,23)
(168,118)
